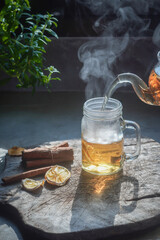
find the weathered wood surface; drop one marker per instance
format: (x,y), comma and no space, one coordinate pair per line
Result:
(90,206)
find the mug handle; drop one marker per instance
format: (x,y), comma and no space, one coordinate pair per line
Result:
(133,125)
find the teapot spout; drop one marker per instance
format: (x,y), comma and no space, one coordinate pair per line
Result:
(149,95)
(140,87)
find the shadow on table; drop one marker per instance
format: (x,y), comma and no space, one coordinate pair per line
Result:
(99,199)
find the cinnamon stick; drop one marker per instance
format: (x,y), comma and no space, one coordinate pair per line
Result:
(43,152)
(45,162)
(63,154)
(27,174)
(57,154)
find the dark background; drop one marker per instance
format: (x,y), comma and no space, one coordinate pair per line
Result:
(76,19)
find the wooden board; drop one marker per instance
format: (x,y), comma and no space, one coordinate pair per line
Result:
(89,206)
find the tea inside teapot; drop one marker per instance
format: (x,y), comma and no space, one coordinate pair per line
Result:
(154,81)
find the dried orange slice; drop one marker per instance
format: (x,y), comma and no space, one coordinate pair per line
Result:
(15,151)
(31,185)
(57,175)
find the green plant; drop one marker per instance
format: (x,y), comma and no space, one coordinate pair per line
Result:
(23,37)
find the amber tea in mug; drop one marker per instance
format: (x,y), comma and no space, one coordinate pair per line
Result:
(103,138)
(99,157)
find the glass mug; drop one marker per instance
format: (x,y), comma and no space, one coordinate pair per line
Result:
(103,138)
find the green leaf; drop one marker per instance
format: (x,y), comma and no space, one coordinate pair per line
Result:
(31,23)
(26,14)
(52,69)
(55,19)
(56,78)
(4,38)
(40,16)
(19,85)
(47,39)
(28,4)
(55,24)
(29,18)
(41,40)
(51,32)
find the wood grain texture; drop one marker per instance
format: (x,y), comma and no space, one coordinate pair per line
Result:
(90,206)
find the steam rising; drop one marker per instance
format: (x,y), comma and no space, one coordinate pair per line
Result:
(98,57)
(116,22)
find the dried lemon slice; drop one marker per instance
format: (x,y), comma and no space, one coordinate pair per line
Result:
(31,185)
(57,175)
(15,151)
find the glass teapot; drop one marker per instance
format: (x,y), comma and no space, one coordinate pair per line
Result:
(149,94)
